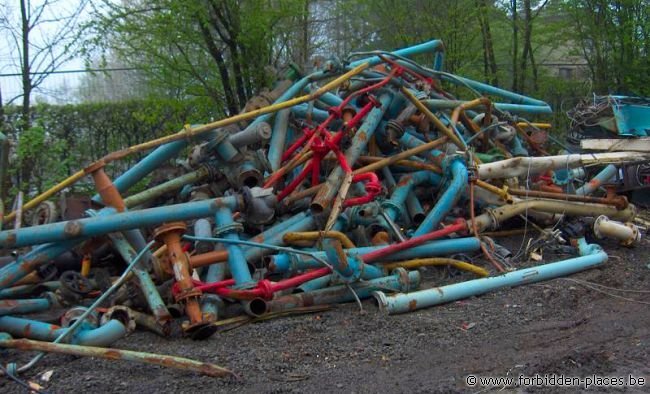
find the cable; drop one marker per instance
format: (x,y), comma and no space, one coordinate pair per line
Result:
(606,293)
(605,287)
(81,319)
(21,382)
(259,245)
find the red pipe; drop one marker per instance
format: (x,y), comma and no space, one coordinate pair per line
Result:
(264,288)
(459,226)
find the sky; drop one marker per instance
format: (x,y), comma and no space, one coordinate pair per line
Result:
(56,88)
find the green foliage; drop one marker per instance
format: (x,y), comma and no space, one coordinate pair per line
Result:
(66,138)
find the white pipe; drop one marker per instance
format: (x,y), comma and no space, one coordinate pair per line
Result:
(519,166)
(627,233)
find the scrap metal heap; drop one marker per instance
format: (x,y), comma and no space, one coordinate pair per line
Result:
(332,188)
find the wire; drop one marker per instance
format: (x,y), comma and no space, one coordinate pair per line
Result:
(21,382)
(606,293)
(81,319)
(259,245)
(605,287)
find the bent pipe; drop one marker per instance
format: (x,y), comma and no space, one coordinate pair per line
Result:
(96,226)
(32,329)
(399,281)
(591,256)
(493,218)
(285,263)
(458,173)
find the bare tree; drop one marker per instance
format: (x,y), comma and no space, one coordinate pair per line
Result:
(45,35)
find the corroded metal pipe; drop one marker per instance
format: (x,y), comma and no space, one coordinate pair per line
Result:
(118,354)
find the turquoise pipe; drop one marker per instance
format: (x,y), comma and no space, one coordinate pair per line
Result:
(314,284)
(439,104)
(398,281)
(456,170)
(275,235)
(146,166)
(491,90)
(226,227)
(286,263)
(395,205)
(326,194)
(303,111)
(26,290)
(25,264)
(13,307)
(591,256)
(92,227)
(102,336)
(604,176)
(278,139)
(432,46)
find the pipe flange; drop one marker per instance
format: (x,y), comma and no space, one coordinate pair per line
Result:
(174,227)
(229,228)
(122,314)
(183,295)
(636,235)
(599,221)
(73,314)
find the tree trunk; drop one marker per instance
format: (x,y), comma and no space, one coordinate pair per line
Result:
(305,35)
(26,66)
(515,46)
(217,56)
(528,48)
(488,47)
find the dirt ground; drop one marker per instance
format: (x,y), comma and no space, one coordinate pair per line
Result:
(555,327)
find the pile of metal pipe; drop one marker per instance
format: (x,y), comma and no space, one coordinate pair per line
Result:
(357,176)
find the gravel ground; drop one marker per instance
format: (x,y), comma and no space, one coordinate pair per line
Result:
(555,327)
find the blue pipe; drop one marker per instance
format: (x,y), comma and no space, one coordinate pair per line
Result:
(286,263)
(25,264)
(274,236)
(458,173)
(394,206)
(399,281)
(12,307)
(491,90)
(147,286)
(425,47)
(278,138)
(147,165)
(225,227)
(32,329)
(25,290)
(304,110)
(92,227)
(331,99)
(349,268)
(438,104)
(314,284)
(603,176)
(591,256)
(359,144)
